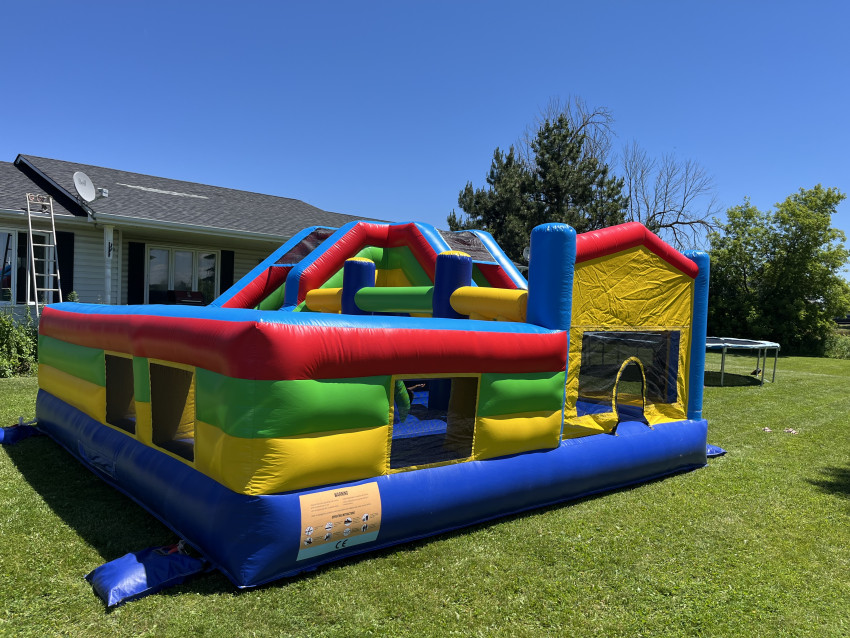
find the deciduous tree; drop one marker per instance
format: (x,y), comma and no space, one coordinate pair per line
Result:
(777,275)
(672,197)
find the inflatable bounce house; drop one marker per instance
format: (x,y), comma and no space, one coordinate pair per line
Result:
(378,383)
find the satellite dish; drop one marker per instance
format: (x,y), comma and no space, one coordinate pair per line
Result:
(84,186)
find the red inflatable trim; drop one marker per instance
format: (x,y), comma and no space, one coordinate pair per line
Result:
(260,288)
(359,237)
(607,241)
(496,276)
(277,351)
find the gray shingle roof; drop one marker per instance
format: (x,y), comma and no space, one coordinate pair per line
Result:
(14,186)
(140,197)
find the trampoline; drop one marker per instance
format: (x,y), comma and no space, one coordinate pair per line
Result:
(723,344)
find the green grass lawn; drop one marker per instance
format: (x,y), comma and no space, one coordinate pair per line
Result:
(755,544)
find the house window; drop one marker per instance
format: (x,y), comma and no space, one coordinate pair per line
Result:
(16,285)
(44,267)
(8,241)
(181,270)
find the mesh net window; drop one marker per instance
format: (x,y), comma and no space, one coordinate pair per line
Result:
(603,353)
(468,243)
(303,248)
(433,420)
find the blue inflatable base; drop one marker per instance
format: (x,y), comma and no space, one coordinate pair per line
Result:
(254,540)
(15,433)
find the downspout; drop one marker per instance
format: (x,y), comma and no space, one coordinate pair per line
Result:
(107,260)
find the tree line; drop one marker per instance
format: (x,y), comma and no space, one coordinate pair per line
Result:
(775,275)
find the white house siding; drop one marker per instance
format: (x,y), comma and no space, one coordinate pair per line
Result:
(89,266)
(245,261)
(121,261)
(89,263)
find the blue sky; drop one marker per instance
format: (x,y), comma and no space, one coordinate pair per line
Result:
(387,109)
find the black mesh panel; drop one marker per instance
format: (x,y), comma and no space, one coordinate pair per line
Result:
(433,420)
(469,243)
(303,248)
(603,354)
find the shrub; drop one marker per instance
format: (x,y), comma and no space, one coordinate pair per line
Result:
(837,345)
(18,346)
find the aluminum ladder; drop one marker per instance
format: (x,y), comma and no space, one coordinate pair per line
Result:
(40,210)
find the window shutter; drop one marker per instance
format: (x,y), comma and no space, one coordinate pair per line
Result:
(226,278)
(135,273)
(65,252)
(23,264)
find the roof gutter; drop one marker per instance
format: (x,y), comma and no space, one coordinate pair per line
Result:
(22,212)
(59,194)
(148,224)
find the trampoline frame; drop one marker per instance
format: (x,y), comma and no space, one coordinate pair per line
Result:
(723,344)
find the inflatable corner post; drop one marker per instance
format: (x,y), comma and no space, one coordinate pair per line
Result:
(362,375)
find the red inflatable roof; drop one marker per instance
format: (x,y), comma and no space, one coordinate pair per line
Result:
(607,241)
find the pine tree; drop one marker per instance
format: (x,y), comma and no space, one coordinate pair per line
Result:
(559,183)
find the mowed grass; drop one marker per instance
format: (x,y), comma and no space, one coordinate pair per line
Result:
(755,544)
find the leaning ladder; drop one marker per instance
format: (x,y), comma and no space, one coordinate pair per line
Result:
(40,210)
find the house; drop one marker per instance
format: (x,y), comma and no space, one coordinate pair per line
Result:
(145,239)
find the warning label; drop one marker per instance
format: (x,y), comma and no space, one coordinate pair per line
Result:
(335,519)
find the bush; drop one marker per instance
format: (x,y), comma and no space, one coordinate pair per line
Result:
(18,346)
(837,345)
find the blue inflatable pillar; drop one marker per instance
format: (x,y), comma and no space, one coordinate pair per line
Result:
(699,327)
(550,276)
(454,269)
(357,273)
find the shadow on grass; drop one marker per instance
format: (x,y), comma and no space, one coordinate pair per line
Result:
(104,518)
(836,481)
(415,545)
(712,379)
(114,525)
